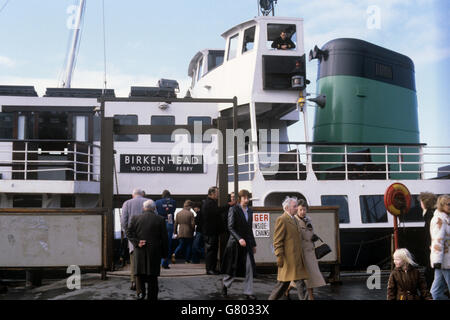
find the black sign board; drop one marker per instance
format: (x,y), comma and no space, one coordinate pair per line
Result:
(160,163)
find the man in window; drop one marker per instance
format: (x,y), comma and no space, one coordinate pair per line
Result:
(283,42)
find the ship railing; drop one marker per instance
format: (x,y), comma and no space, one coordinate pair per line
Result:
(49,160)
(350,162)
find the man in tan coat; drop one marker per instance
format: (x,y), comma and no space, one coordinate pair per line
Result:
(287,243)
(184,230)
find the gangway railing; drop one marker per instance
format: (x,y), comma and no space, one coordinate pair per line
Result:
(347,161)
(49,160)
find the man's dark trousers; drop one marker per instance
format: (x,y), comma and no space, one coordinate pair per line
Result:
(166,261)
(212,247)
(152,286)
(198,248)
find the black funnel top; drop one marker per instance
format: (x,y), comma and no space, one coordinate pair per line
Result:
(354,57)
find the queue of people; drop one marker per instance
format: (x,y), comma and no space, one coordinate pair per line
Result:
(150,227)
(197,228)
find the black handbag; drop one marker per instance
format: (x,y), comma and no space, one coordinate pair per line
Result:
(322,250)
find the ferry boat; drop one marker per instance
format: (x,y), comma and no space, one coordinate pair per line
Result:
(365,132)
(365,136)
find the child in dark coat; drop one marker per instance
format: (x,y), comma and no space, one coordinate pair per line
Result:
(405,281)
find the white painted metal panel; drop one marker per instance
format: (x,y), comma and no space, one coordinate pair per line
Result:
(50,240)
(49,186)
(5,157)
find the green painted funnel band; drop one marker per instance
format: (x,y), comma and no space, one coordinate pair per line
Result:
(360,110)
(365,111)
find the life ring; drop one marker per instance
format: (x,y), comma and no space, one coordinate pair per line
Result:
(397,199)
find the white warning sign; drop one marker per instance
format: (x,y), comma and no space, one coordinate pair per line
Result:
(261,225)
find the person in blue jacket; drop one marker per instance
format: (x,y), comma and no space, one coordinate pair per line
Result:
(166,208)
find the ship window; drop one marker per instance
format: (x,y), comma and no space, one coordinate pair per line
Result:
(415,213)
(53,125)
(162,121)
(200,69)
(215,59)
(80,128)
(25,126)
(130,119)
(249,39)
(27,201)
(204,121)
(341,202)
(68,201)
(232,47)
(97,127)
(6,125)
(383,71)
(274,32)
(373,209)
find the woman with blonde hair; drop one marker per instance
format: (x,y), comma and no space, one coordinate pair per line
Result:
(440,242)
(405,281)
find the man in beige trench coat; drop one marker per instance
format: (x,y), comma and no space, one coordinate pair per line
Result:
(287,243)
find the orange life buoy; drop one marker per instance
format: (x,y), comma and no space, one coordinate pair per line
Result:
(397,199)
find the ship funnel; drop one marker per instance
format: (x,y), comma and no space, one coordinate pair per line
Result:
(320,100)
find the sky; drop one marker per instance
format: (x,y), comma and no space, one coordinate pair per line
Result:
(148,40)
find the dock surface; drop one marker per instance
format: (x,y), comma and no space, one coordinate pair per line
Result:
(186,282)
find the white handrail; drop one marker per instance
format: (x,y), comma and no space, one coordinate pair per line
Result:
(394,160)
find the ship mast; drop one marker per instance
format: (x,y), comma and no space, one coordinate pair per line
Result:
(70,62)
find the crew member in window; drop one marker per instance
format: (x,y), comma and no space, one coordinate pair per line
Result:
(283,42)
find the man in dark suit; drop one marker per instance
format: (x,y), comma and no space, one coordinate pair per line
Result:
(213,226)
(148,233)
(238,258)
